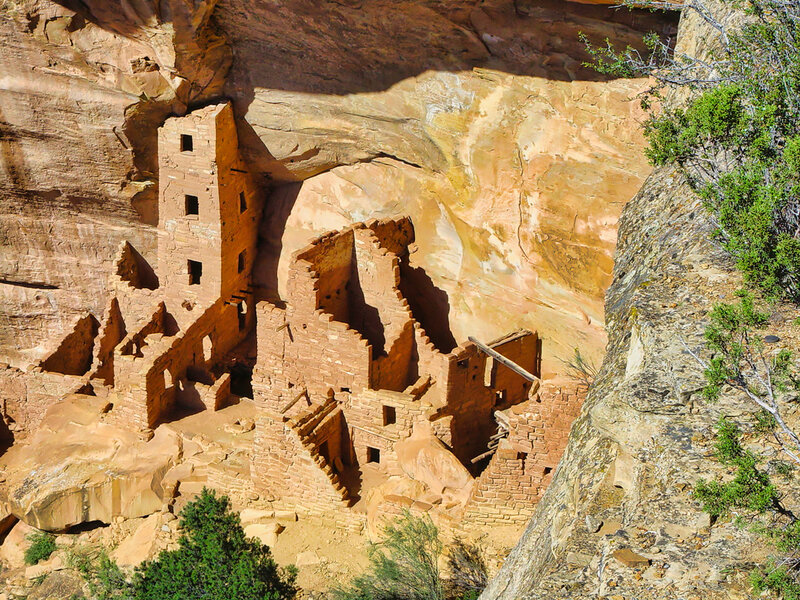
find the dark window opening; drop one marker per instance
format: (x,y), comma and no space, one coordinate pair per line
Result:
(522,455)
(499,397)
(187,143)
(195,272)
(345,389)
(242,380)
(192,205)
(241,315)
(389,415)
(373,455)
(547,470)
(242,261)
(242,202)
(324,452)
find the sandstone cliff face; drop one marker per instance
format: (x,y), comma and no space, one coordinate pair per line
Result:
(475,118)
(646,435)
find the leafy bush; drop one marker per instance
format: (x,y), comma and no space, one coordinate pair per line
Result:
(740,361)
(738,139)
(42,545)
(750,488)
(105,579)
(214,561)
(405,566)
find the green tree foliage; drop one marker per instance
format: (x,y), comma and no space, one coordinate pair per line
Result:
(42,545)
(750,488)
(738,139)
(740,361)
(405,566)
(214,561)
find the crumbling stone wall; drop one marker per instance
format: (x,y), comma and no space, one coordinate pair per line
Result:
(25,396)
(289,465)
(522,467)
(521,347)
(347,334)
(208,209)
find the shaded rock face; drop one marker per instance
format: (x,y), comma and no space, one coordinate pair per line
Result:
(619,518)
(478,120)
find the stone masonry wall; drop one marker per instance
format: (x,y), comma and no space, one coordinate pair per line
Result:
(522,467)
(288,466)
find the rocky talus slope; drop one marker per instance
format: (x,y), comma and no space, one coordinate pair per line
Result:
(476,118)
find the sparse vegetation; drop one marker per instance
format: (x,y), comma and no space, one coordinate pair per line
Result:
(405,566)
(738,138)
(581,368)
(768,379)
(105,579)
(214,561)
(42,545)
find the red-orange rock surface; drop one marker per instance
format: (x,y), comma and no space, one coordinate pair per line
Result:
(512,158)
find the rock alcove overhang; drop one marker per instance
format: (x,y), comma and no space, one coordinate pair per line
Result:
(480,122)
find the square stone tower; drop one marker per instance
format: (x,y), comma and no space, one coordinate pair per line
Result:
(208,209)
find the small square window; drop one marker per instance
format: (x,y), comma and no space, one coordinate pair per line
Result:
(187,143)
(242,202)
(242,261)
(389,415)
(192,205)
(373,455)
(195,272)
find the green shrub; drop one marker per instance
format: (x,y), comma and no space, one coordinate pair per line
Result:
(405,566)
(214,561)
(738,139)
(42,545)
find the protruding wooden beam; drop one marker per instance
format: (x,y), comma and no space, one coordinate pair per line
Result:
(304,392)
(482,456)
(503,360)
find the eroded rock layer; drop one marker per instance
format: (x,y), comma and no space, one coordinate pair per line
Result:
(478,121)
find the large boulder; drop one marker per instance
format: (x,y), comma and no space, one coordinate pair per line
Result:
(140,546)
(78,469)
(424,458)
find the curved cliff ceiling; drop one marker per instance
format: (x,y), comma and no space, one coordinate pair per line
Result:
(474,117)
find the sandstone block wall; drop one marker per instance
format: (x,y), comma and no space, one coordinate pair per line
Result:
(208,208)
(347,333)
(74,355)
(25,396)
(522,467)
(522,348)
(289,465)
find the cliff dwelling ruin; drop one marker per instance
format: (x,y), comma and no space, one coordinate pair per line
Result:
(357,399)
